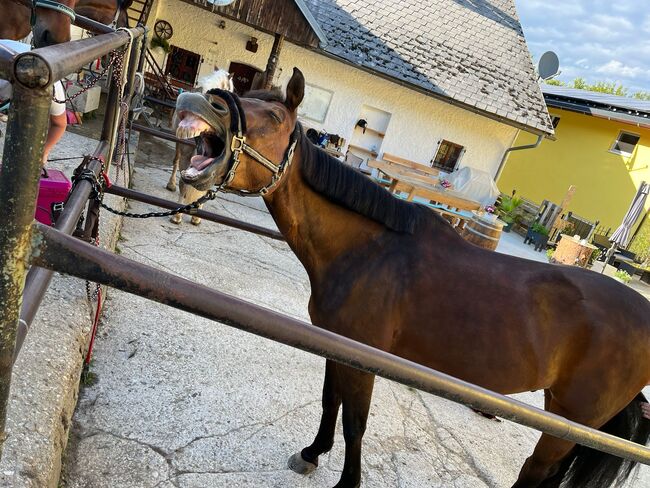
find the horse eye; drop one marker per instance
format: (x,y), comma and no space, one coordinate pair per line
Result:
(276,116)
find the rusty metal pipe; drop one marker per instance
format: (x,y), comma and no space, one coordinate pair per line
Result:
(213,217)
(65,254)
(92,25)
(38,279)
(168,136)
(21,165)
(42,67)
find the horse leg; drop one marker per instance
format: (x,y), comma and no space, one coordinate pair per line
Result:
(306,461)
(171,184)
(356,391)
(556,462)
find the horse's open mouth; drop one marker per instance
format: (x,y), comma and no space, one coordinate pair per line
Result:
(211,148)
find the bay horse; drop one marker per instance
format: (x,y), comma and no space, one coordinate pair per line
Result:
(218,79)
(52,26)
(396,276)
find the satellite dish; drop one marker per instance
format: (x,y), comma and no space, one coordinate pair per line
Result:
(548,66)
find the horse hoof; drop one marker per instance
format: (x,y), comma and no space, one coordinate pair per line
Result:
(195,221)
(171,187)
(176,219)
(298,465)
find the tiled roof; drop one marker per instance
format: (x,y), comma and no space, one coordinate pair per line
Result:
(469,52)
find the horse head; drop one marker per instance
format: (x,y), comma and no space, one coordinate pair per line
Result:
(51,22)
(244,142)
(219,79)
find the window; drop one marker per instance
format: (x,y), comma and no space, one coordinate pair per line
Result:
(448,156)
(555,120)
(625,143)
(315,103)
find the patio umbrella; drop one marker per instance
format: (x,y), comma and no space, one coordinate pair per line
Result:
(621,236)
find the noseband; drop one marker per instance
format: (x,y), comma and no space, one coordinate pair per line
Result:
(51,5)
(238,146)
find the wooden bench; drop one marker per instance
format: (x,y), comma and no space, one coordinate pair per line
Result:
(411,165)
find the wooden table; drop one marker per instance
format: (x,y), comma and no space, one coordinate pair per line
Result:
(425,187)
(333,152)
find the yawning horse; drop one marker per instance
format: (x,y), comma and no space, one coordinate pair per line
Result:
(219,79)
(396,276)
(52,19)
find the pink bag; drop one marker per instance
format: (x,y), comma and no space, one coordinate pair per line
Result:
(52,189)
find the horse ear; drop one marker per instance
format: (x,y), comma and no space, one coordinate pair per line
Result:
(295,90)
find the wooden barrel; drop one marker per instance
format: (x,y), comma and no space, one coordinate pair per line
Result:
(483,233)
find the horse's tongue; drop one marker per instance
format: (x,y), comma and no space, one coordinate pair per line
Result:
(199,162)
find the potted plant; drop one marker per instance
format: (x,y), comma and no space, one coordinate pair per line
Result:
(507,210)
(159,44)
(538,235)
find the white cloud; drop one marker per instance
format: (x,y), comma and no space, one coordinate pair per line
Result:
(646,24)
(595,39)
(616,68)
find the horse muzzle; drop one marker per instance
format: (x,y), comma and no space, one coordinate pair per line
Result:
(207,122)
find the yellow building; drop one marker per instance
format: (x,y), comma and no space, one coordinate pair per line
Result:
(601,146)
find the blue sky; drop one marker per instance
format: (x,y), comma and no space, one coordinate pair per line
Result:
(596,40)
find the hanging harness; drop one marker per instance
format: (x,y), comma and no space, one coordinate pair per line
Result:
(237,135)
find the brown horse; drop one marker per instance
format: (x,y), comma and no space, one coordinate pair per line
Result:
(52,26)
(396,276)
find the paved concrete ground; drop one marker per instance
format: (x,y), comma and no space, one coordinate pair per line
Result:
(185,402)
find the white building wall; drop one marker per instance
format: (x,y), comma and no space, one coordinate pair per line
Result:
(417,121)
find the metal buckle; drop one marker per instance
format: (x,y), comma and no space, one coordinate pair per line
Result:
(237,143)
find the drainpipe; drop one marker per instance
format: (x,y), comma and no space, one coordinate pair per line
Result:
(516,148)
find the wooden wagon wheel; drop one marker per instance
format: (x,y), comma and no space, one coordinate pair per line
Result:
(163,29)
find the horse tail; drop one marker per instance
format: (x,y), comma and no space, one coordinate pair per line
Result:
(586,467)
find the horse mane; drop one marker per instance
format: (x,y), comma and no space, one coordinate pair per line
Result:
(346,187)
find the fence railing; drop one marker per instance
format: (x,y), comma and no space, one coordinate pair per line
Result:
(23,242)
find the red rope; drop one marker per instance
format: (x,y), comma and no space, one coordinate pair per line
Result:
(94,330)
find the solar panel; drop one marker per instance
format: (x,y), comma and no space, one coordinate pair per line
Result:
(600,98)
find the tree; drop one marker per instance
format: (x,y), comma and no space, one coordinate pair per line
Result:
(612,87)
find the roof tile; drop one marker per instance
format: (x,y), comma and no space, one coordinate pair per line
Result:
(470,51)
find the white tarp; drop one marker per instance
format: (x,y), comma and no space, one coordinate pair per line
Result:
(476,184)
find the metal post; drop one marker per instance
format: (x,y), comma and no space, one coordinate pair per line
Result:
(38,279)
(21,164)
(68,255)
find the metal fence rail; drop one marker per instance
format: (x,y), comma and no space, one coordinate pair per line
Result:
(62,253)
(22,242)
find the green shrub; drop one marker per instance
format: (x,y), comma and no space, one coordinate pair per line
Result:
(161,43)
(624,276)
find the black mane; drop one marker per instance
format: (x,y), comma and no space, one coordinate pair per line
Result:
(346,187)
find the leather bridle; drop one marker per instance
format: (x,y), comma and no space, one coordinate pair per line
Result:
(47,4)
(238,146)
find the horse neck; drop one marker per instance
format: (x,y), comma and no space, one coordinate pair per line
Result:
(102,11)
(317,230)
(15,23)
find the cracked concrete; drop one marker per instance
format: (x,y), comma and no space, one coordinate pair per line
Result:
(183,402)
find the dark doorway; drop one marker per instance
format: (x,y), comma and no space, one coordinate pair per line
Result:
(245,77)
(183,66)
